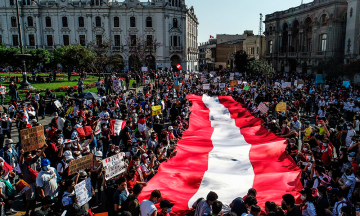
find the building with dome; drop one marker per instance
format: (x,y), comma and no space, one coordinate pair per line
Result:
(299,38)
(52,23)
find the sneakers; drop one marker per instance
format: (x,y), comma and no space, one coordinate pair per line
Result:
(10,212)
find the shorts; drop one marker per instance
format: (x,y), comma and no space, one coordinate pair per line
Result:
(30,194)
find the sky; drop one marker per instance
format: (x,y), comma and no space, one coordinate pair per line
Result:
(234,16)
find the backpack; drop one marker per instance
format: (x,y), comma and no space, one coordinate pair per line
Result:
(33,173)
(10,191)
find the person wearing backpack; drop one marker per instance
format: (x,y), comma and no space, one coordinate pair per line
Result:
(7,193)
(27,164)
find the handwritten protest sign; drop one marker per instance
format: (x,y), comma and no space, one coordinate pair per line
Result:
(187,77)
(177,87)
(222,85)
(114,165)
(281,107)
(32,138)
(2,90)
(156,110)
(223,80)
(83,192)
(246,88)
(231,78)
(233,83)
(80,164)
(206,86)
(283,85)
(263,108)
(144,68)
(239,82)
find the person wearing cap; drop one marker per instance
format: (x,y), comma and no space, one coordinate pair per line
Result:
(307,206)
(147,207)
(348,180)
(63,165)
(6,125)
(47,180)
(340,201)
(322,202)
(165,206)
(45,210)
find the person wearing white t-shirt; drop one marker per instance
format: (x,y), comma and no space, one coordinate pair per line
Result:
(104,115)
(147,207)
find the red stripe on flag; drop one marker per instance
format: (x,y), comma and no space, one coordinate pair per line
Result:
(180,178)
(276,173)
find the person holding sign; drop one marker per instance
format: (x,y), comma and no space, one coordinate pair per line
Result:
(97,174)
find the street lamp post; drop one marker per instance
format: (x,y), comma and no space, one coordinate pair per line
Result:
(25,85)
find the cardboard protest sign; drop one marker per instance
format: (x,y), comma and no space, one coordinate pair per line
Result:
(206,86)
(263,108)
(156,110)
(83,192)
(80,164)
(281,107)
(223,80)
(299,82)
(233,83)
(21,187)
(222,85)
(32,138)
(177,87)
(114,165)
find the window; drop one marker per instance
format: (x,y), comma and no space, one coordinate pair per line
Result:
(133,40)
(12,2)
(323,38)
(116,22)
(30,21)
(27,2)
(270,47)
(149,40)
(48,21)
(175,41)
(97,2)
(15,40)
(148,22)
(175,23)
(82,40)
(13,22)
(49,39)
(0,39)
(66,40)
(117,40)
(132,22)
(81,22)
(65,22)
(98,21)
(31,40)
(98,39)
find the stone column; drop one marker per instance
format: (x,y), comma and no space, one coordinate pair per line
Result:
(89,27)
(106,26)
(38,31)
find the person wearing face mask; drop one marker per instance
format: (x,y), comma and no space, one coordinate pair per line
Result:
(165,206)
(340,202)
(47,180)
(147,207)
(105,138)
(322,202)
(348,180)
(147,167)
(292,149)
(351,158)
(63,165)
(125,133)
(285,130)
(350,134)
(97,174)
(9,154)
(288,204)
(120,196)
(307,206)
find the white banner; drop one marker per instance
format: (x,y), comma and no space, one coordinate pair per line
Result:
(231,74)
(206,86)
(114,165)
(83,192)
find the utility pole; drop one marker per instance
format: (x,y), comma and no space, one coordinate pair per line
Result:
(25,85)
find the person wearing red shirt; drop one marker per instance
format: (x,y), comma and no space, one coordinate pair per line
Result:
(327,152)
(352,157)
(52,130)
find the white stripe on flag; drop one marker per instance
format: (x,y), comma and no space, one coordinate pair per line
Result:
(230,173)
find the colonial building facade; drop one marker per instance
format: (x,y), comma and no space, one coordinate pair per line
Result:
(298,38)
(52,23)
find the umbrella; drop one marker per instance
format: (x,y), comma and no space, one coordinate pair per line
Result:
(89,95)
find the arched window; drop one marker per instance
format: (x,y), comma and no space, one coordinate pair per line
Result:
(30,21)
(13,22)
(116,22)
(48,21)
(98,21)
(148,22)
(175,23)
(132,22)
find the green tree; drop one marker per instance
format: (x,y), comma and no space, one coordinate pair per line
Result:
(259,67)
(73,56)
(38,56)
(242,61)
(7,57)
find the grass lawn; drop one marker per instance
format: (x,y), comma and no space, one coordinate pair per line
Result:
(58,94)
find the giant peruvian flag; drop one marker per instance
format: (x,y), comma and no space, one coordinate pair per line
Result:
(225,150)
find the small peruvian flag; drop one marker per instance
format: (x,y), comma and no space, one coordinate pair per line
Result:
(211,36)
(179,66)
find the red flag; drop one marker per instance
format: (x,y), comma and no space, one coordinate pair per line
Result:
(179,66)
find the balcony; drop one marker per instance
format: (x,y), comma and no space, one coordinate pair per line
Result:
(176,49)
(292,54)
(117,48)
(49,47)
(30,47)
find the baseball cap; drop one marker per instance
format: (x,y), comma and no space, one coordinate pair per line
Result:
(166,204)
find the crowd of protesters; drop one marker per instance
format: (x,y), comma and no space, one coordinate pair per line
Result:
(320,124)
